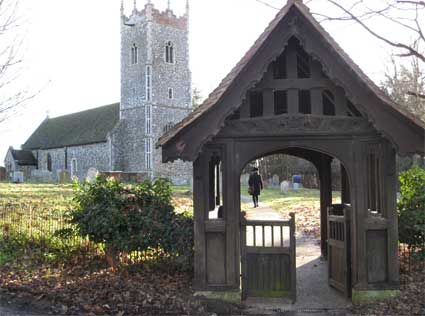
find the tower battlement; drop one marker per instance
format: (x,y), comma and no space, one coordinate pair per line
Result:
(156,90)
(150,13)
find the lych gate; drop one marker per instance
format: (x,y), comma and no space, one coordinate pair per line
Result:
(296,92)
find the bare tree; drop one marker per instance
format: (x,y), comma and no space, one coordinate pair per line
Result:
(12,95)
(408,16)
(405,84)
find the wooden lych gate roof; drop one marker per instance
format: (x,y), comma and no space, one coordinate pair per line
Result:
(401,127)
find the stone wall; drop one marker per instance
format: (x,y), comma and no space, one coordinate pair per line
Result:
(87,156)
(150,31)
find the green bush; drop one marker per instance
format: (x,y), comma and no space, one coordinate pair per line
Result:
(127,218)
(411,208)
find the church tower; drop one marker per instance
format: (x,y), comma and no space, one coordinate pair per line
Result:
(155,89)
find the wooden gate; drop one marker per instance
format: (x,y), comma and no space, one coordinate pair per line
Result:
(339,250)
(268,258)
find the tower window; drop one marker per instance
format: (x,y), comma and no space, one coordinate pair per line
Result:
(168,127)
(256,104)
(148,118)
(328,103)
(148,153)
(170,93)
(134,55)
(169,53)
(304,102)
(280,102)
(148,83)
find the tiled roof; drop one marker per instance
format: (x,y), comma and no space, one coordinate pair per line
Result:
(24,157)
(82,128)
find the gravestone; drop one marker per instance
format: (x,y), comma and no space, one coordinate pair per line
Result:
(42,176)
(284,187)
(244,179)
(64,177)
(91,175)
(275,181)
(18,177)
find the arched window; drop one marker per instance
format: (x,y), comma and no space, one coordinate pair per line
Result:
(73,167)
(168,127)
(328,103)
(170,93)
(134,54)
(169,53)
(49,162)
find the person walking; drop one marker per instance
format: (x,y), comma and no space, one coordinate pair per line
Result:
(255,185)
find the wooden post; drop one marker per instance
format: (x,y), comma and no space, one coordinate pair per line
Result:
(345,187)
(293,247)
(325,200)
(200,201)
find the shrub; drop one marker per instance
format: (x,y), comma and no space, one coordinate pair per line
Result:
(128,218)
(411,208)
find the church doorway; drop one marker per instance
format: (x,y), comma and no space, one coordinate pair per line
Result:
(284,240)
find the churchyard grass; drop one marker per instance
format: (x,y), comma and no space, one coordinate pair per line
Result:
(305,203)
(32,214)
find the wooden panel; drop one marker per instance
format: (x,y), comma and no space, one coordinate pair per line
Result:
(216,250)
(377,256)
(268,264)
(336,267)
(268,275)
(339,248)
(215,226)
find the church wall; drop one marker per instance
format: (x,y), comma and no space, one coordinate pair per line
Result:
(9,163)
(129,143)
(58,161)
(179,172)
(87,156)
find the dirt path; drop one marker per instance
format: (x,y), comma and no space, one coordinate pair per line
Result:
(314,295)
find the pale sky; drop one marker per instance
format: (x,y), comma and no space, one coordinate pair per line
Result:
(72,51)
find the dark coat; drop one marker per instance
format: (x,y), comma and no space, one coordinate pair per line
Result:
(256,182)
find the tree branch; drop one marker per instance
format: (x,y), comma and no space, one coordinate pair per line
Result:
(410,50)
(418,95)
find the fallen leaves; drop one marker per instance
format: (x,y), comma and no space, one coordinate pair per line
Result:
(84,290)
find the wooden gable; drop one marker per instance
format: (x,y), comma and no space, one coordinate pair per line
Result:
(295,71)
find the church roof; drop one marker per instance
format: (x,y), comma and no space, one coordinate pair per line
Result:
(231,80)
(24,157)
(82,128)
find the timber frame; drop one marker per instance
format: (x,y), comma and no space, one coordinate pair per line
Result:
(318,106)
